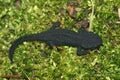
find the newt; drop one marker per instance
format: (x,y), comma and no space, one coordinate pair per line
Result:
(83,40)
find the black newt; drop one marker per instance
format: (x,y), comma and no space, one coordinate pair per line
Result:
(83,40)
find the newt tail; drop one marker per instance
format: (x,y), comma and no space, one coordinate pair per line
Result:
(31,37)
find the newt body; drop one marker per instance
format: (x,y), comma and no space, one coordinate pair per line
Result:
(83,39)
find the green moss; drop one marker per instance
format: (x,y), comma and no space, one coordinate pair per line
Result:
(34,16)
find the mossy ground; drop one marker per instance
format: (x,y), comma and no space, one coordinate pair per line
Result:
(34,16)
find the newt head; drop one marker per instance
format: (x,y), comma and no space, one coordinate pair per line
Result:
(89,40)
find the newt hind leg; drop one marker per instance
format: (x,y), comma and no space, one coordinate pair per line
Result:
(56,25)
(81,51)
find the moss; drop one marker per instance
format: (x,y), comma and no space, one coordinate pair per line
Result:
(34,16)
